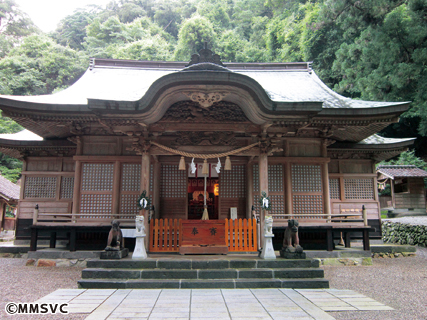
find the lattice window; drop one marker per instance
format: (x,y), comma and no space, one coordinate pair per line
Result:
(40,187)
(233,182)
(306,178)
(151,179)
(67,187)
(277,204)
(275,178)
(97,177)
(131,177)
(307,204)
(255,188)
(173,182)
(97,203)
(359,189)
(334,188)
(128,205)
(255,171)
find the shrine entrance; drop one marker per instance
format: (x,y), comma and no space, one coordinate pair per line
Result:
(196,192)
(196,197)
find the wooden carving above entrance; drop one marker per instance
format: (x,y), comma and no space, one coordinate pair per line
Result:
(206,138)
(190,111)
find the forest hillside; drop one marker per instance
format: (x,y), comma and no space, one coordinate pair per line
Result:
(369,49)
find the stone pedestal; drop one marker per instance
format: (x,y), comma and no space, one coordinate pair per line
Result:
(268,250)
(116,254)
(292,255)
(139,252)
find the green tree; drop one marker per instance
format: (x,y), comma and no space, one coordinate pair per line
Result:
(151,48)
(194,33)
(14,24)
(38,66)
(71,30)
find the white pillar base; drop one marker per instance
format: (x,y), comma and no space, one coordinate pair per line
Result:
(139,252)
(268,250)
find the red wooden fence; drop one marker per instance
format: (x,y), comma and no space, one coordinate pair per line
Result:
(240,235)
(164,235)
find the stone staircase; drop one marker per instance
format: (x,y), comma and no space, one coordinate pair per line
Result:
(182,273)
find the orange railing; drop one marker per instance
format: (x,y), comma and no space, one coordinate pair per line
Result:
(240,235)
(164,235)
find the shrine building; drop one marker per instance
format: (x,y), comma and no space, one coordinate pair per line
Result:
(129,126)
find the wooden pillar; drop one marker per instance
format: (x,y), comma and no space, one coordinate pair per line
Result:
(288,189)
(77,189)
(22,190)
(393,196)
(249,190)
(145,185)
(326,195)
(156,188)
(263,187)
(116,190)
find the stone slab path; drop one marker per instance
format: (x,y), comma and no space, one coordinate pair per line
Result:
(218,304)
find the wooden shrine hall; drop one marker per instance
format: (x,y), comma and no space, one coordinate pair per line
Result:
(126,126)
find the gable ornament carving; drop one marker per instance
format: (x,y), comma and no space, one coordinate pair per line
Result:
(189,111)
(206,99)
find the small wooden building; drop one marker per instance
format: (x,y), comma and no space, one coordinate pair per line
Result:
(123,127)
(407,186)
(9,196)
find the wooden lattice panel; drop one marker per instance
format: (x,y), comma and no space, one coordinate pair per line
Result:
(67,187)
(40,187)
(334,188)
(131,177)
(256,205)
(277,204)
(255,171)
(128,205)
(96,203)
(359,189)
(173,182)
(306,178)
(275,178)
(307,204)
(97,177)
(151,179)
(233,182)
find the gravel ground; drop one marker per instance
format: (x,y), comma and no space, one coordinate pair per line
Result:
(19,283)
(421,220)
(400,283)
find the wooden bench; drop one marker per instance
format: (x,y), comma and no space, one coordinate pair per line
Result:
(71,224)
(345,222)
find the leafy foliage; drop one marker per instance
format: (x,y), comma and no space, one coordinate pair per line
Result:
(371,49)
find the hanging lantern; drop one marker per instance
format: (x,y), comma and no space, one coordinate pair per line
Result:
(227,165)
(181,164)
(205,169)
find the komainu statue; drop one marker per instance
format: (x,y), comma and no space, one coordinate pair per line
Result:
(115,237)
(268,226)
(140,227)
(291,236)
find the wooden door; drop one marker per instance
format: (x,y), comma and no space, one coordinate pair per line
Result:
(232,191)
(173,192)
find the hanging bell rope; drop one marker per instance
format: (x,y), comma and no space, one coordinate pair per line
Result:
(204,156)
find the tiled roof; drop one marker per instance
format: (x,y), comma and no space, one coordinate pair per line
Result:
(400,171)
(8,189)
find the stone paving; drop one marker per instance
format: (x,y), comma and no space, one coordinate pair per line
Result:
(218,304)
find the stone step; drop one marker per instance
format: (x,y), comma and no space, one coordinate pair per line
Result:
(202,264)
(259,273)
(315,283)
